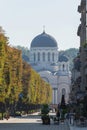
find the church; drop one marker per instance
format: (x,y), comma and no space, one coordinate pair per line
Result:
(54,69)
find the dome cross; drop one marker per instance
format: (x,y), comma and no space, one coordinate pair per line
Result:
(43,28)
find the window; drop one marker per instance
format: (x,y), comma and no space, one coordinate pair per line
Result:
(52,56)
(63,67)
(38,56)
(63,91)
(34,57)
(48,56)
(43,56)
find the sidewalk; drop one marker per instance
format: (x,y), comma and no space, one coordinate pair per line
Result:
(31,122)
(77,128)
(74,127)
(23,119)
(30,118)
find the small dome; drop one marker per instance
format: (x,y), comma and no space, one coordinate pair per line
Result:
(63,58)
(44,40)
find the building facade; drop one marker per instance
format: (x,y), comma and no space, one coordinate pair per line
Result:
(83,45)
(44,58)
(79,75)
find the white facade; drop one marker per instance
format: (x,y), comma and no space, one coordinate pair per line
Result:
(44,57)
(45,60)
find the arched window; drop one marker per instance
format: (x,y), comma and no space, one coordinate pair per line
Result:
(67,67)
(63,67)
(48,56)
(43,56)
(52,56)
(38,56)
(34,57)
(63,91)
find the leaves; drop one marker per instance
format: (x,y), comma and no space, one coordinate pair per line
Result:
(17,76)
(35,89)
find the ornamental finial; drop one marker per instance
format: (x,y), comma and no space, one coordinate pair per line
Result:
(43,28)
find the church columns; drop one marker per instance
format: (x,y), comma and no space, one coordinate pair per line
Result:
(51,56)
(35,58)
(43,56)
(46,57)
(56,56)
(55,96)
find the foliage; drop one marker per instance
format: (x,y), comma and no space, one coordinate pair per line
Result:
(3,44)
(45,109)
(37,90)
(84,44)
(71,54)
(18,78)
(25,52)
(44,114)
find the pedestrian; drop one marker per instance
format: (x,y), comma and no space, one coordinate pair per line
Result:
(58,115)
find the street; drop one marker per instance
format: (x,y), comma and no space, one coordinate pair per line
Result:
(31,122)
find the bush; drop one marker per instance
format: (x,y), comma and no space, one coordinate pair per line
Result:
(45,109)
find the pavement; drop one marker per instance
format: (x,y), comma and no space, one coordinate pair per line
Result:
(34,122)
(75,127)
(31,122)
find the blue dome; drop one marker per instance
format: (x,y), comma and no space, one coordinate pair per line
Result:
(43,40)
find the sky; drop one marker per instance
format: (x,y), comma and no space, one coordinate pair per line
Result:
(23,20)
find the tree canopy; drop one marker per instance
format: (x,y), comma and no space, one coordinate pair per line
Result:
(18,78)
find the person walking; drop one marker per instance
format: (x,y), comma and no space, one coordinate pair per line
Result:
(58,115)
